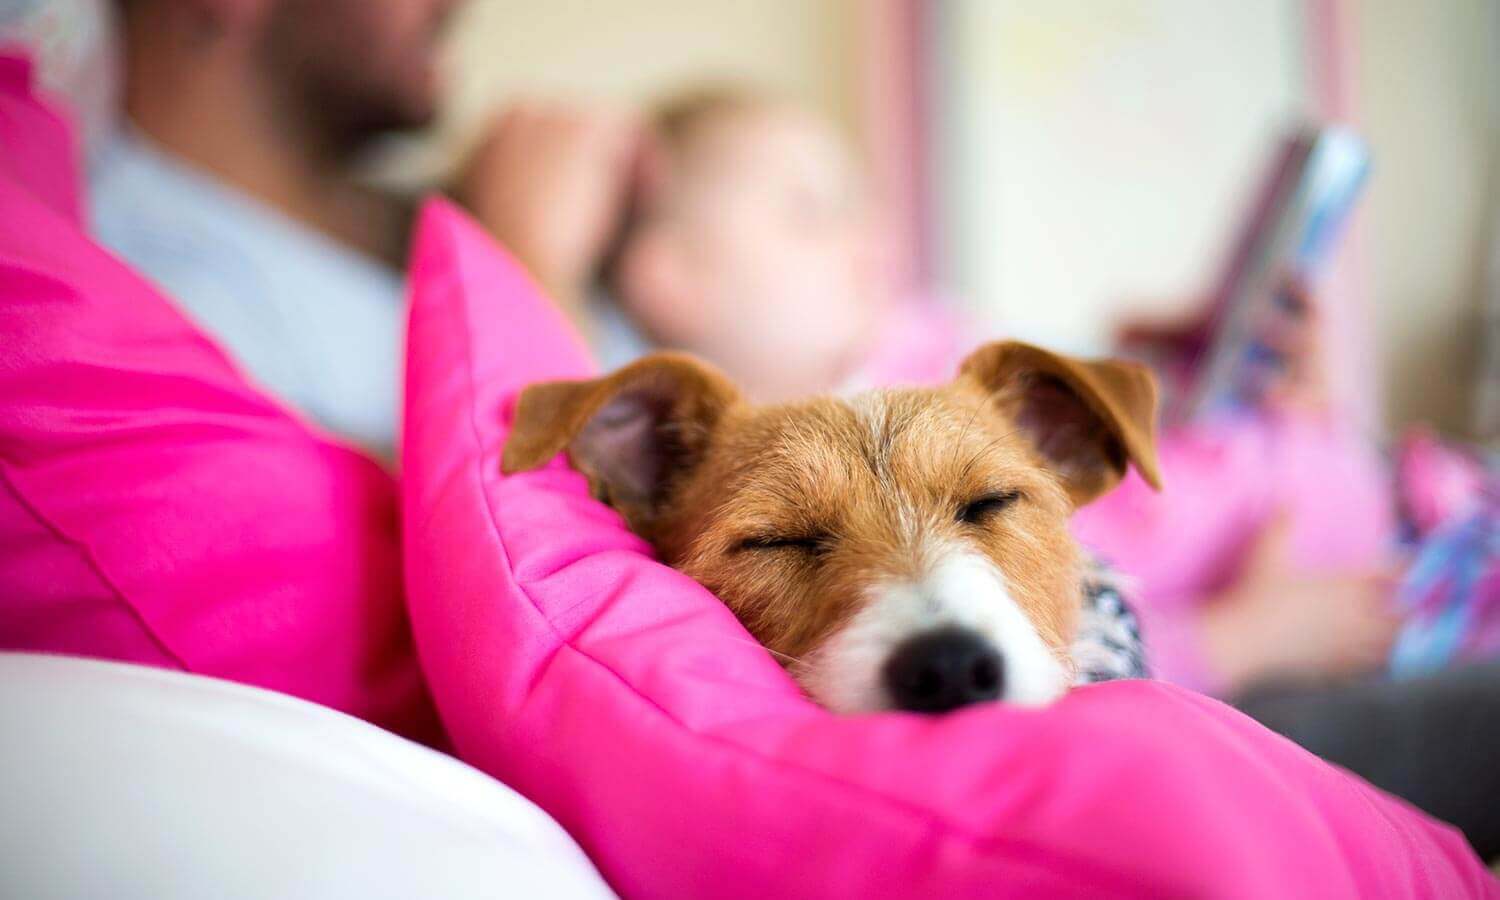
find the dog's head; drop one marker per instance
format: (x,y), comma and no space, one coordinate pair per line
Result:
(901,549)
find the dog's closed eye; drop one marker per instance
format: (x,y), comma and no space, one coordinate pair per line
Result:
(980,509)
(811,544)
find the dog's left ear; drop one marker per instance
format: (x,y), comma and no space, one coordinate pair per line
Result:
(1087,418)
(633,434)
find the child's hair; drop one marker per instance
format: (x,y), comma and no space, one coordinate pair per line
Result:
(675,120)
(672,124)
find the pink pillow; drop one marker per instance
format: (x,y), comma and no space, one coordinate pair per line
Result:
(631,705)
(154,507)
(36,144)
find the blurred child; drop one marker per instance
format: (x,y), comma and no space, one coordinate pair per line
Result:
(753,243)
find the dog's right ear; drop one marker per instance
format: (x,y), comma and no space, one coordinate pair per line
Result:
(630,433)
(1087,419)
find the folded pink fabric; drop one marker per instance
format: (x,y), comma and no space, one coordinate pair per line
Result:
(156,508)
(631,705)
(39,150)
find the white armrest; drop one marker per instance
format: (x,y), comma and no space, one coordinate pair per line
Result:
(124,781)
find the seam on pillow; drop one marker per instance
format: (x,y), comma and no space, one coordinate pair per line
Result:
(928,818)
(14,489)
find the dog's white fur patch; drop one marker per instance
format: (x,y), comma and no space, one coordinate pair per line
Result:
(960,588)
(872,408)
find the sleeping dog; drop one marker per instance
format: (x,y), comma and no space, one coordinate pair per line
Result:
(900,549)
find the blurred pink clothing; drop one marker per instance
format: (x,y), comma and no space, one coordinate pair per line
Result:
(1225,480)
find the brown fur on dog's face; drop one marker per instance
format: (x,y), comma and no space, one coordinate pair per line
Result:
(837,529)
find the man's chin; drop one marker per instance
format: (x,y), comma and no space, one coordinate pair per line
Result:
(399,116)
(414,119)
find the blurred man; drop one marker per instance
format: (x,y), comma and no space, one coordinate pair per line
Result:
(234,185)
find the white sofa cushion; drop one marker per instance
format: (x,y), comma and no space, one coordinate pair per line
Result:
(125,781)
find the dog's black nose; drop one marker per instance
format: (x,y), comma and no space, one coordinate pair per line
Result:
(944,669)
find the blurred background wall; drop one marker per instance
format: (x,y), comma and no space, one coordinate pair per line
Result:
(634,51)
(1429,102)
(1084,161)
(1092,154)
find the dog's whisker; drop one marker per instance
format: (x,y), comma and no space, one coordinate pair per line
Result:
(958,444)
(786,656)
(982,451)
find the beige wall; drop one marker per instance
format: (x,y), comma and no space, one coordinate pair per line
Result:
(1096,155)
(636,50)
(1096,161)
(1430,83)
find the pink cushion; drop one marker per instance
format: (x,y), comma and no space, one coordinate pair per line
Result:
(37,149)
(155,508)
(630,704)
